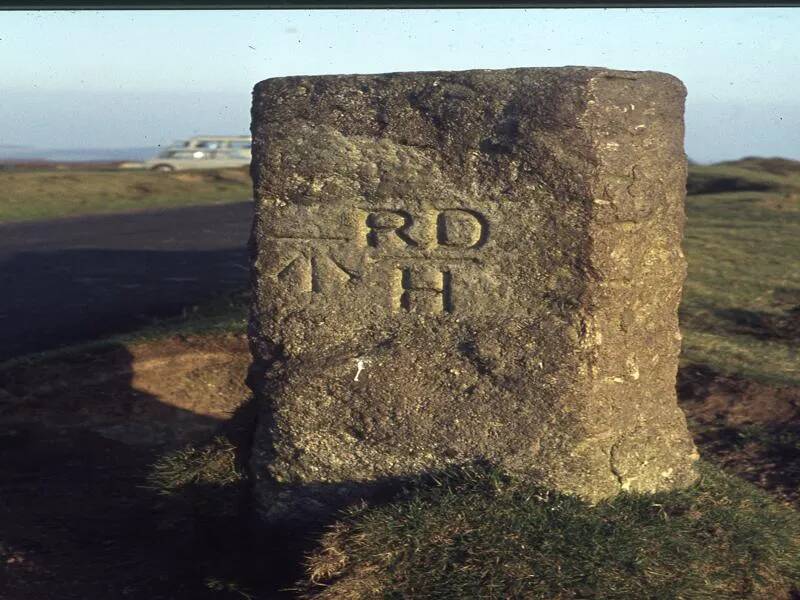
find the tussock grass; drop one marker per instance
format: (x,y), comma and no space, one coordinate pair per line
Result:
(717,179)
(203,491)
(200,480)
(780,442)
(46,194)
(212,464)
(477,533)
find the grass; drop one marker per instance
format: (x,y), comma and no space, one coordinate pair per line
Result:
(47,194)
(477,533)
(738,311)
(227,313)
(204,480)
(211,464)
(743,175)
(203,491)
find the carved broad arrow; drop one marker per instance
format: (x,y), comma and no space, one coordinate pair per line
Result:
(315,273)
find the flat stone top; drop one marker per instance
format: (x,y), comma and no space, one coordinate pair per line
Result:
(519,73)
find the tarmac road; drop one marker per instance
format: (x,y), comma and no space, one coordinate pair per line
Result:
(69,280)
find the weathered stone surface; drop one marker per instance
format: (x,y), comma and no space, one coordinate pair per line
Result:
(459,266)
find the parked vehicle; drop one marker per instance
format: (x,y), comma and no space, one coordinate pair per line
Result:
(203,152)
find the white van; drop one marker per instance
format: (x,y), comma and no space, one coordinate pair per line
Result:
(203,152)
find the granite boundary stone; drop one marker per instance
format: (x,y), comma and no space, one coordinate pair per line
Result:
(450,267)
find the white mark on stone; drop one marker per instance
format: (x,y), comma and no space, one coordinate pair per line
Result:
(633,368)
(361,364)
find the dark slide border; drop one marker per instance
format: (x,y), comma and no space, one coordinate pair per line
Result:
(365,4)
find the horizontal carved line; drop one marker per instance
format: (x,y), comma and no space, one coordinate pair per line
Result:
(308,238)
(428,258)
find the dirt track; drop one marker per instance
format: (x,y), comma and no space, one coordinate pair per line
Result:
(69,280)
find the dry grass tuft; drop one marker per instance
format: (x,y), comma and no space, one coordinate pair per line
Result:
(211,464)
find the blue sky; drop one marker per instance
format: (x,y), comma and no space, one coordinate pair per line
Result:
(141,78)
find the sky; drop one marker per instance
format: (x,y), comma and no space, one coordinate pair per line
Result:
(112,79)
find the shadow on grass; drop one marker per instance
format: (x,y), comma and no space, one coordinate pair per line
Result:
(204,497)
(77,518)
(763,325)
(62,297)
(701,183)
(242,554)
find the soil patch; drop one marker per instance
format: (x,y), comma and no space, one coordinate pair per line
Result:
(79,435)
(749,428)
(168,392)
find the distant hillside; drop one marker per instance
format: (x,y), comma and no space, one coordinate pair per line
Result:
(774,165)
(751,174)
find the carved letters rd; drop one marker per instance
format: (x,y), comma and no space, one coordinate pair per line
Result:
(423,248)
